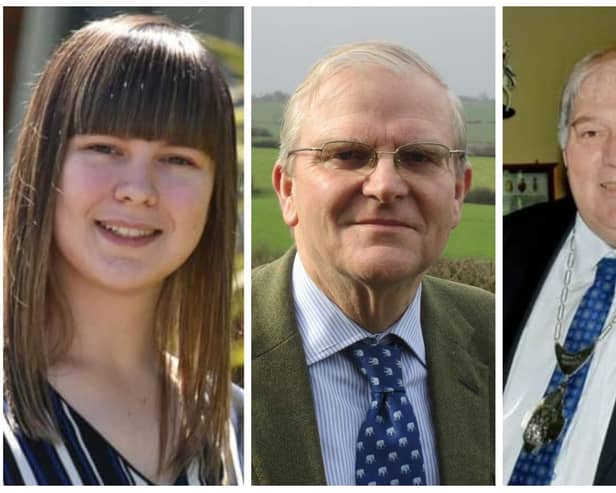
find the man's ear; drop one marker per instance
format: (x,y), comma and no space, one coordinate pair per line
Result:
(284,185)
(462,186)
(467,180)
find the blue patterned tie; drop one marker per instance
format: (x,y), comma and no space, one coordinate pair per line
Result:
(538,468)
(388,447)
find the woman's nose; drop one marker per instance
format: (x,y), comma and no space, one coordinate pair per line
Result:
(136,185)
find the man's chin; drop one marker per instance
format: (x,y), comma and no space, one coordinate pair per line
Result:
(388,267)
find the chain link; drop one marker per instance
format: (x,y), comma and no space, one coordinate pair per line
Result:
(564,294)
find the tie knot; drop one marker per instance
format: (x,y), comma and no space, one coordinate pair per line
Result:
(380,363)
(606,270)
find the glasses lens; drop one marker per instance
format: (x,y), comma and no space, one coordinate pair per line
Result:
(423,157)
(351,156)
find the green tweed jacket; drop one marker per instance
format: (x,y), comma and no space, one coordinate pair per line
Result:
(458,329)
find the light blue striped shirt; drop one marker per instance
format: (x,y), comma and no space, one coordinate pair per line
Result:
(341,393)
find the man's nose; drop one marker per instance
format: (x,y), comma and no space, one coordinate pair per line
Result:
(385,182)
(136,183)
(610,150)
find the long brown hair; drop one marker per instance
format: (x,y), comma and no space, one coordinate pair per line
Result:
(142,77)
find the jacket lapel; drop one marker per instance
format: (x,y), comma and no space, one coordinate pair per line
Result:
(532,239)
(285,439)
(461,392)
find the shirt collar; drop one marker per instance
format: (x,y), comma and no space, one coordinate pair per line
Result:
(325,329)
(594,248)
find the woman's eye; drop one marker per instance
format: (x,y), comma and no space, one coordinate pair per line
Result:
(178,160)
(104,149)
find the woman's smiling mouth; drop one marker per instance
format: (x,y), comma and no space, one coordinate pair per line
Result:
(133,234)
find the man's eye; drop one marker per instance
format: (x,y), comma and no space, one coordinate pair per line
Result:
(178,160)
(345,155)
(415,157)
(586,132)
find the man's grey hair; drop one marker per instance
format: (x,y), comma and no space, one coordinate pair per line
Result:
(393,57)
(580,72)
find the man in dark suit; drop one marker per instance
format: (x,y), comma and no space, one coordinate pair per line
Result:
(371,178)
(553,257)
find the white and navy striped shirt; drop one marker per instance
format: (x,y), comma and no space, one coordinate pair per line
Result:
(341,393)
(84,456)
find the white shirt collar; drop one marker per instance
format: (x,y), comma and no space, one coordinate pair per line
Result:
(325,329)
(590,249)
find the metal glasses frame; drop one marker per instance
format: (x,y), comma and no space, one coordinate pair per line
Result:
(375,152)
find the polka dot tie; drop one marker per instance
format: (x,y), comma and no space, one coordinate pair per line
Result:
(538,468)
(388,446)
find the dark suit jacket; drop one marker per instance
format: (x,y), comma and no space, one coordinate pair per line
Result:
(458,329)
(532,239)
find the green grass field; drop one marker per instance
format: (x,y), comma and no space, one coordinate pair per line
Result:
(483,172)
(474,237)
(267,115)
(479,120)
(263,160)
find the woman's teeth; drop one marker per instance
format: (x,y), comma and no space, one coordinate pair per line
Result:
(128,232)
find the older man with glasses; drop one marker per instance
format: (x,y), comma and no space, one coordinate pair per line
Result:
(366,371)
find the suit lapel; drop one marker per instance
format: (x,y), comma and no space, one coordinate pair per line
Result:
(286,447)
(532,239)
(460,388)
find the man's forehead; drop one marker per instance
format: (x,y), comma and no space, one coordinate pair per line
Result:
(600,85)
(410,94)
(338,83)
(375,104)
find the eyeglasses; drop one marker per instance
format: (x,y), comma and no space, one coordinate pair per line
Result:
(410,159)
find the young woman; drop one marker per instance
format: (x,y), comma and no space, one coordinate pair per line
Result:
(119,243)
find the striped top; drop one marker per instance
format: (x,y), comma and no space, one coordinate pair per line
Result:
(84,456)
(341,393)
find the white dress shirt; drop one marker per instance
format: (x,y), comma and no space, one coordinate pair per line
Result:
(534,362)
(341,393)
